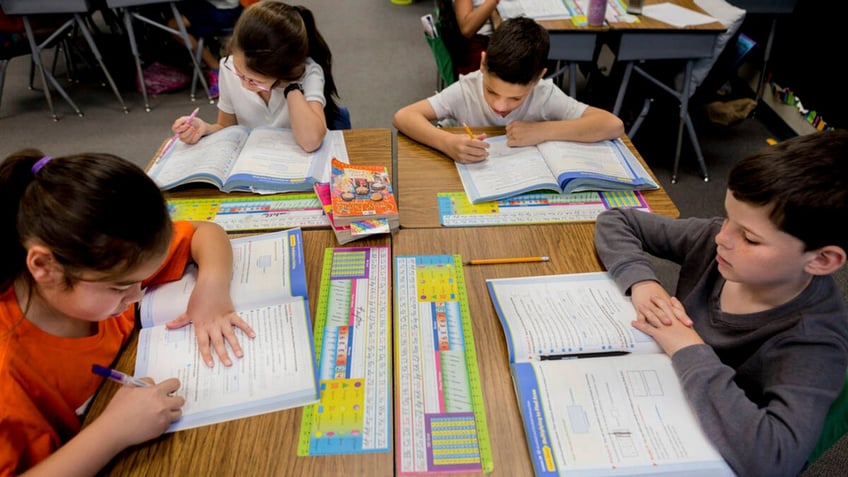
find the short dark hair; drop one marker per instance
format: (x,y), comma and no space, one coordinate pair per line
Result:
(805,182)
(518,51)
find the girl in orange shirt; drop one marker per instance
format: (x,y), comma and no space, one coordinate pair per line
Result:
(82,235)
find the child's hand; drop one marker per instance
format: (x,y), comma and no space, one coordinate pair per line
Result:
(653,303)
(522,133)
(191,132)
(672,336)
(213,315)
(138,414)
(465,150)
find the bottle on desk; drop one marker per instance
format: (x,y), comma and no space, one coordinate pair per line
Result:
(597,12)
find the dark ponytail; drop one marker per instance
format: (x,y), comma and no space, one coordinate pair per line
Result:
(320,52)
(95,212)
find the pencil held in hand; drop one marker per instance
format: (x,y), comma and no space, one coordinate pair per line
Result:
(494,261)
(468,130)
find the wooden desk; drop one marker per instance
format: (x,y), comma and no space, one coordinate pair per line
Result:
(651,39)
(423,172)
(364,146)
(571,248)
(263,445)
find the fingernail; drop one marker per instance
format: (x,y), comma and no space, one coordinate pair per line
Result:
(210,363)
(227,362)
(240,353)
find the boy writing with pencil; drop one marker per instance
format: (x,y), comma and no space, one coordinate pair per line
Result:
(758,329)
(507,90)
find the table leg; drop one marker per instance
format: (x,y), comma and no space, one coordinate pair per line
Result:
(628,69)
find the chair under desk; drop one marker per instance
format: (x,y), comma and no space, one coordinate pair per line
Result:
(76,9)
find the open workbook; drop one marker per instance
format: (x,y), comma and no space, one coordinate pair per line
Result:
(263,160)
(597,397)
(278,368)
(560,166)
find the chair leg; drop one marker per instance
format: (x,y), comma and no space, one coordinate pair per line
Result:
(99,58)
(128,16)
(3,65)
(183,33)
(47,78)
(196,75)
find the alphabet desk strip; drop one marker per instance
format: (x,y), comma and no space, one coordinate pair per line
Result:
(440,417)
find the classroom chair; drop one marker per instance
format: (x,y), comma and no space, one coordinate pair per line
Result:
(77,8)
(220,37)
(131,12)
(341,121)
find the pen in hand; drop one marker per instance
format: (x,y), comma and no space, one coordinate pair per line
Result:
(468,130)
(118,376)
(177,135)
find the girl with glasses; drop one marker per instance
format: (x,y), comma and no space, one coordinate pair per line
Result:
(279,74)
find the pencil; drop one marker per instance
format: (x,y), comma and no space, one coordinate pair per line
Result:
(494,261)
(176,136)
(468,130)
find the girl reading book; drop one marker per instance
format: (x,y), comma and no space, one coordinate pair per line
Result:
(279,74)
(82,236)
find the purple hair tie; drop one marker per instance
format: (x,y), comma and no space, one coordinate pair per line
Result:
(40,163)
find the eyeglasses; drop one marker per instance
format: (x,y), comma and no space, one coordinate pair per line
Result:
(250,82)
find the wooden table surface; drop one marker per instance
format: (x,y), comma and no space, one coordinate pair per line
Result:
(423,172)
(266,445)
(571,249)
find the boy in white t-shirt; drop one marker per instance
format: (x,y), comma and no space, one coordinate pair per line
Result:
(509,91)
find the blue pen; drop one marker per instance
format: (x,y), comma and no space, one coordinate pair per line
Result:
(118,376)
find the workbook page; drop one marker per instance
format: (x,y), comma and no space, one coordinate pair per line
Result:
(212,156)
(261,275)
(615,415)
(564,315)
(276,372)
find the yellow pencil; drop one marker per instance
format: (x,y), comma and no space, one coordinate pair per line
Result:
(468,130)
(494,261)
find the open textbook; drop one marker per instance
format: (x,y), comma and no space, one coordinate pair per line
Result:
(263,160)
(617,410)
(561,166)
(278,368)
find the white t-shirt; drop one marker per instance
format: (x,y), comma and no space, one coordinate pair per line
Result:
(224,4)
(251,110)
(464,101)
(487,28)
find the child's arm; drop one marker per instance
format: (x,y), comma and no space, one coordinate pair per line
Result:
(307,120)
(595,124)
(469,18)
(415,120)
(654,305)
(210,308)
(134,415)
(672,335)
(191,133)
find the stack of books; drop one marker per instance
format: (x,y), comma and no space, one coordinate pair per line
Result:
(358,201)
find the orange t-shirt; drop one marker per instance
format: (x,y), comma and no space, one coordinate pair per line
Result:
(46,383)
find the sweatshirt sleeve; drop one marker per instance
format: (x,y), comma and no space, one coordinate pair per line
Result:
(626,239)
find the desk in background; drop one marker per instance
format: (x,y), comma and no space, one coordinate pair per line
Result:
(423,172)
(571,44)
(651,39)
